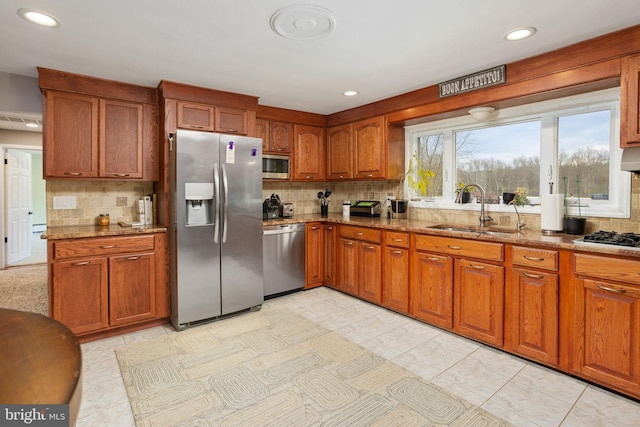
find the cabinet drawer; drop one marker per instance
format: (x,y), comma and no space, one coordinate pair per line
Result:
(361,233)
(537,258)
(102,246)
(393,238)
(622,270)
(462,247)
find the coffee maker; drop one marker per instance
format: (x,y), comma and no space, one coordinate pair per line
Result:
(271,207)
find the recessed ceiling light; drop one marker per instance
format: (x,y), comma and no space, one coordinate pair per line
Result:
(350,93)
(40,18)
(520,33)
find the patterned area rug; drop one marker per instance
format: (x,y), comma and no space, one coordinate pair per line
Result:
(275,368)
(25,289)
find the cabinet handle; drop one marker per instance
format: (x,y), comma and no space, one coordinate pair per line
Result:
(121,174)
(457,248)
(358,233)
(314,228)
(341,177)
(478,267)
(349,243)
(533,276)
(606,288)
(196,126)
(232,130)
(396,252)
(73,173)
(330,228)
(108,246)
(79,264)
(432,258)
(398,240)
(370,175)
(530,258)
(370,247)
(132,258)
(308,177)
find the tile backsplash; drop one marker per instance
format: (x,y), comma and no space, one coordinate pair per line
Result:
(117,198)
(303,195)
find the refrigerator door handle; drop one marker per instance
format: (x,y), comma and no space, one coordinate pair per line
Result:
(216,214)
(225,204)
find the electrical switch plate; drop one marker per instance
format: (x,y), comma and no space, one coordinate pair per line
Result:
(64,202)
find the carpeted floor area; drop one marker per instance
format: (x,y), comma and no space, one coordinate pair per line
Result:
(25,289)
(277,368)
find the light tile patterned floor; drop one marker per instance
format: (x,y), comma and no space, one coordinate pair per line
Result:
(522,393)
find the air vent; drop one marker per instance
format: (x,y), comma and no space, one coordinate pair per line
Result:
(20,120)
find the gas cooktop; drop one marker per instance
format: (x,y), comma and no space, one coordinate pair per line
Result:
(630,240)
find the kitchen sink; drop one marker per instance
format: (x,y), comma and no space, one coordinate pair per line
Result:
(491,231)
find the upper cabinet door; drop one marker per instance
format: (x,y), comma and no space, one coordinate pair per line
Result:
(71,135)
(196,116)
(280,137)
(630,101)
(308,150)
(121,129)
(231,120)
(369,141)
(262,132)
(340,152)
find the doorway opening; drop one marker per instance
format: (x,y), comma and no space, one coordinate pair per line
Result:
(23,207)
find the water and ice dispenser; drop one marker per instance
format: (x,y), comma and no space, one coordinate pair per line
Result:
(199,203)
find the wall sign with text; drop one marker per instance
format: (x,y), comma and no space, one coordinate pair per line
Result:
(480,80)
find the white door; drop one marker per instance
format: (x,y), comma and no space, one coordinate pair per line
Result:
(18,203)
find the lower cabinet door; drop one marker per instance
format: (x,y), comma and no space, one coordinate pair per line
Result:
(348,266)
(478,295)
(131,289)
(395,285)
(370,272)
(432,288)
(608,333)
(534,321)
(80,294)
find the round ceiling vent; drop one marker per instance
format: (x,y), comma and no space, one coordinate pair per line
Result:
(303,22)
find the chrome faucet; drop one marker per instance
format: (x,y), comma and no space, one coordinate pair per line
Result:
(483,218)
(519,225)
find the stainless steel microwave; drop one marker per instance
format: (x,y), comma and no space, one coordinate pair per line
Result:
(275,166)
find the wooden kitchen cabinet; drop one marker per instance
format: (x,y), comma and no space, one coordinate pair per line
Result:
(276,136)
(98,129)
(395,283)
(314,255)
(532,305)
(70,135)
(360,262)
(630,101)
(80,294)
(478,283)
(478,295)
(99,284)
(607,321)
(309,163)
(340,152)
(369,142)
(432,288)
(330,232)
(210,118)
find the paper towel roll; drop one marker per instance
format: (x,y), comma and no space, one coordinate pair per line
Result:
(552,206)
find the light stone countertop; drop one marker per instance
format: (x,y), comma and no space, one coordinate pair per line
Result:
(79,231)
(525,237)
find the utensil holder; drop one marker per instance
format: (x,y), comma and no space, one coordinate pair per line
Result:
(324,210)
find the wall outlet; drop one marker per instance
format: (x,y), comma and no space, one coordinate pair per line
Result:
(64,202)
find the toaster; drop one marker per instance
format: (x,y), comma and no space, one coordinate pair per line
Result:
(286,210)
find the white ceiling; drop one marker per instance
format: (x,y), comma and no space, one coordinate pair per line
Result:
(380,48)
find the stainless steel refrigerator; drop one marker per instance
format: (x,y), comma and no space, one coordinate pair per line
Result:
(216,234)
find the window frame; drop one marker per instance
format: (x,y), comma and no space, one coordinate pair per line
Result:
(619,203)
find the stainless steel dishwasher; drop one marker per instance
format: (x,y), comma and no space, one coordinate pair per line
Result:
(283,258)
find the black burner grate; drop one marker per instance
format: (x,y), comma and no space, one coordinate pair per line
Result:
(613,238)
